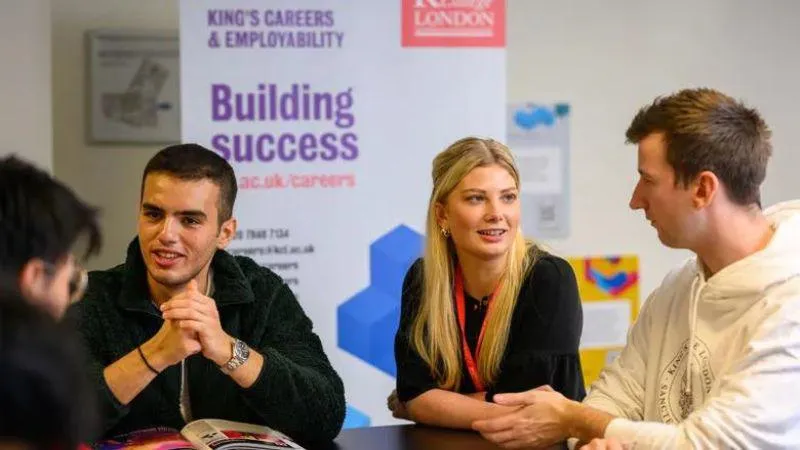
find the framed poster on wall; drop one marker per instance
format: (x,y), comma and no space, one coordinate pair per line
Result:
(133,86)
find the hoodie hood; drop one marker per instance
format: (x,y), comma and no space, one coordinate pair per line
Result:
(776,263)
(734,289)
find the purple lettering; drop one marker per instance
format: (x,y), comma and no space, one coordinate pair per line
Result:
(328,143)
(220,143)
(245,106)
(283,153)
(269,155)
(307,146)
(289,104)
(349,142)
(220,102)
(243,151)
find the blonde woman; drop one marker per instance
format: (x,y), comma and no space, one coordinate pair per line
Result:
(484,311)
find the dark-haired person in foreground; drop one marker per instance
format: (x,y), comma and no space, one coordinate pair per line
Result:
(45,400)
(41,221)
(183,330)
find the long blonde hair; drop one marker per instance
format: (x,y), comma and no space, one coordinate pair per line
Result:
(434,332)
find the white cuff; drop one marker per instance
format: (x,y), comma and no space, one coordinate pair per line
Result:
(647,434)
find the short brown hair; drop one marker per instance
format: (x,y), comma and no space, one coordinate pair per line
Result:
(705,129)
(193,162)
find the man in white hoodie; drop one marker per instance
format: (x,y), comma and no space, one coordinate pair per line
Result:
(714,356)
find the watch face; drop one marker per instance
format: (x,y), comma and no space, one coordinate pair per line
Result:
(240,354)
(240,350)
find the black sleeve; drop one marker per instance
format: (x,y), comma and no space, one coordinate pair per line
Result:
(414,376)
(297,391)
(543,346)
(85,318)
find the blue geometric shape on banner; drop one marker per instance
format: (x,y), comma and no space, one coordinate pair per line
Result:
(367,322)
(354,418)
(390,257)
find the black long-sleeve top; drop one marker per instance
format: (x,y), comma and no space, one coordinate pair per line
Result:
(543,340)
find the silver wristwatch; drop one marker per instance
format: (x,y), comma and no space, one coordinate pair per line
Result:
(240,354)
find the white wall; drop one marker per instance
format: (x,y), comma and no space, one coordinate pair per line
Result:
(606,57)
(25,102)
(610,57)
(105,175)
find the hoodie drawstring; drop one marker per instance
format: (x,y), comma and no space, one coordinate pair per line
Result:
(693,305)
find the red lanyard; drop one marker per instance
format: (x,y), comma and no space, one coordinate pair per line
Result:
(469,359)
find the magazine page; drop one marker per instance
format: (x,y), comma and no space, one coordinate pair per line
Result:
(147,439)
(224,435)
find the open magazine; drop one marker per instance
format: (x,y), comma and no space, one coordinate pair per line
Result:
(205,434)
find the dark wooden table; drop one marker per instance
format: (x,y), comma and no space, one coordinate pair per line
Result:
(409,437)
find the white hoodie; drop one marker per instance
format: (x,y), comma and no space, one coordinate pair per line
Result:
(741,331)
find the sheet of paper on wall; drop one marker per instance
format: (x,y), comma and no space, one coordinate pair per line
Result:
(605,323)
(539,136)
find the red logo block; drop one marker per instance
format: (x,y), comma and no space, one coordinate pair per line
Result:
(454,23)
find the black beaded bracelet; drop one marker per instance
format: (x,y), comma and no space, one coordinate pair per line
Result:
(141,353)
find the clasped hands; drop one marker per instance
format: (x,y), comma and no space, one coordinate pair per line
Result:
(541,420)
(191,325)
(538,422)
